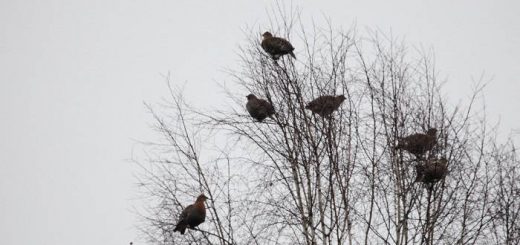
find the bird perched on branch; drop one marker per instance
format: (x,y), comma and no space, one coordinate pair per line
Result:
(418,143)
(192,216)
(276,46)
(325,105)
(259,109)
(432,170)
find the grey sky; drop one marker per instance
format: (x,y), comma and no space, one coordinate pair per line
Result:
(74,74)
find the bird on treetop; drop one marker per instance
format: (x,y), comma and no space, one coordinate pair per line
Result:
(432,170)
(276,47)
(259,109)
(418,143)
(325,105)
(192,216)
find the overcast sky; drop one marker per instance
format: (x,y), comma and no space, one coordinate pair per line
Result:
(74,75)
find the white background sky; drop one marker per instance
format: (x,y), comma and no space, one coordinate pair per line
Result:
(74,74)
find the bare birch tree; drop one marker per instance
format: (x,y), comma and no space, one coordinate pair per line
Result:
(299,178)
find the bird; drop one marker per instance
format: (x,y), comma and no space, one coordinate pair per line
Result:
(325,105)
(259,109)
(418,143)
(276,46)
(192,216)
(432,170)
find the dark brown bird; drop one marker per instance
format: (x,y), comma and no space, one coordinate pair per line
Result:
(418,143)
(325,105)
(276,46)
(192,216)
(259,109)
(432,170)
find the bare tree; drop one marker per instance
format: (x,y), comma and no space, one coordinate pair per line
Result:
(506,195)
(300,178)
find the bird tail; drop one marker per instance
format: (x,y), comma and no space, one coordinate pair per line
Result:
(180,228)
(292,54)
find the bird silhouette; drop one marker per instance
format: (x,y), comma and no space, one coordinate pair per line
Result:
(276,47)
(418,143)
(259,109)
(192,216)
(325,105)
(431,171)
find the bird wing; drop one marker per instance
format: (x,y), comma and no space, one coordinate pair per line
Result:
(319,102)
(330,102)
(185,213)
(313,103)
(269,109)
(283,44)
(276,44)
(416,138)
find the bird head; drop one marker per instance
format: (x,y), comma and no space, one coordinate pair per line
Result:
(201,198)
(250,97)
(341,97)
(432,132)
(267,35)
